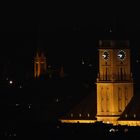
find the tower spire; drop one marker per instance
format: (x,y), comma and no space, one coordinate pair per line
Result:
(40,64)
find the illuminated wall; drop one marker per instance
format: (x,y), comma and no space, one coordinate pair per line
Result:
(120,122)
(40,65)
(114,80)
(114,84)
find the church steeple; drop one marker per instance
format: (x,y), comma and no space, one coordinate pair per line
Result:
(40,64)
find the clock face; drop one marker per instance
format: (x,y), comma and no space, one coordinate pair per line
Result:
(105,55)
(121,54)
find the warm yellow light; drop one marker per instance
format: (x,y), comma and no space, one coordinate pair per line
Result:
(124,122)
(78,121)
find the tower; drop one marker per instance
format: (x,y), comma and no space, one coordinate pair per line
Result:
(40,64)
(114,80)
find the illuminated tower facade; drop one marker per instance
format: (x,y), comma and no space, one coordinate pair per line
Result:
(40,65)
(114,80)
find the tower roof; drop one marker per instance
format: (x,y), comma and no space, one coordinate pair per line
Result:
(113,44)
(132,111)
(86,108)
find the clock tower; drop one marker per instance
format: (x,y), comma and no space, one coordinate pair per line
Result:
(114,80)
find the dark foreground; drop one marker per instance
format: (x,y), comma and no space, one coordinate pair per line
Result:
(52,131)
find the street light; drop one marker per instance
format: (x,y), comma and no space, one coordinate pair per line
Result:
(10,82)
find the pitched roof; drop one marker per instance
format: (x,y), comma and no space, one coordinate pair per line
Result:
(86,109)
(132,111)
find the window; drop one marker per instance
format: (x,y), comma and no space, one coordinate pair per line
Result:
(134,115)
(71,114)
(126,115)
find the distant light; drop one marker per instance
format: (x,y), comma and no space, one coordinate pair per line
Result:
(29,106)
(17,104)
(112,130)
(49,66)
(134,115)
(107,122)
(58,126)
(20,86)
(15,134)
(57,100)
(110,30)
(6,78)
(10,82)
(71,114)
(126,130)
(126,115)
(90,65)
(83,61)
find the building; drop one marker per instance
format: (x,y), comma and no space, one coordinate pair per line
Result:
(114,81)
(115,98)
(42,68)
(40,64)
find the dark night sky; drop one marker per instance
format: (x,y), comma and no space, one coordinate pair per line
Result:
(66,31)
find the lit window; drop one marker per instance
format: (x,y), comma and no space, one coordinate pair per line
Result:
(83,61)
(17,104)
(49,66)
(88,115)
(126,130)
(112,130)
(14,134)
(90,65)
(134,115)
(58,126)
(126,115)
(80,115)
(29,106)
(71,114)
(57,100)
(10,82)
